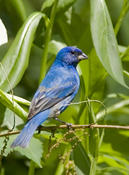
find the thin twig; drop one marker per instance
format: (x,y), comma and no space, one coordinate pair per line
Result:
(91,126)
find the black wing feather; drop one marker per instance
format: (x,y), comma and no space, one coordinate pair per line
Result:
(48,97)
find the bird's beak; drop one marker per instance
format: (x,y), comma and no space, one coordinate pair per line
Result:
(82,57)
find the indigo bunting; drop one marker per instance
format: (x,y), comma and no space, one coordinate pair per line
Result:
(54,94)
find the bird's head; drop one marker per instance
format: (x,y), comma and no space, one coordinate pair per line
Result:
(71,55)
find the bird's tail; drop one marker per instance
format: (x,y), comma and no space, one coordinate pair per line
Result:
(27,132)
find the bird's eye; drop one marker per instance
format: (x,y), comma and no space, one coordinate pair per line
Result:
(72,52)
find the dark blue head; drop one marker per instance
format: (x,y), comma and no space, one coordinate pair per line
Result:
(71,55)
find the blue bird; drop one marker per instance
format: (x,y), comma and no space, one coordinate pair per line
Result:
(54,94)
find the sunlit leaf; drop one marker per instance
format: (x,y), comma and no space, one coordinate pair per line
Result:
(55,46)
(8,101)
(16,59)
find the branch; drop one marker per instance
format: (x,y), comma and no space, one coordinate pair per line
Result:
(53,128)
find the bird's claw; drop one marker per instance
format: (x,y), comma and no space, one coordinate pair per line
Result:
(69,125)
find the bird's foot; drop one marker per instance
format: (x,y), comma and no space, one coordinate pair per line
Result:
(69,125)
(39,129)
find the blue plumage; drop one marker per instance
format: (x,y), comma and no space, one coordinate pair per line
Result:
(55,92)
(27,132)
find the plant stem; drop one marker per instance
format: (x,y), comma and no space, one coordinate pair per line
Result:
(31,168)
(2,171)
(93,142)
(60,168)
(93,166)
(61,164)
(123,12)
(47,39)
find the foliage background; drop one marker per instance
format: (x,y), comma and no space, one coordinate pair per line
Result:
(36,31)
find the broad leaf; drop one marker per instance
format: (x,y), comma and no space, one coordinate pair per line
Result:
(104,40)
(8,101)
(16,60)
(55,46)
(9,119)
(34,151)
(81,159)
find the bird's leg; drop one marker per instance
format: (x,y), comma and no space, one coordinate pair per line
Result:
(68,124)
(39,129)
(50,139)
(57,113)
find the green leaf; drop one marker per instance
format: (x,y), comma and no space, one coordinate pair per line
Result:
(18,7)
(55,46)
(15,14)
(95,89)
(46,4)
(112,108)
(16,60)
(4,48)
(9,119)
(113,158)
(63,5)
(123,13)
(104,40)
(19,99)
(34,151)
(8,101)
(81,160)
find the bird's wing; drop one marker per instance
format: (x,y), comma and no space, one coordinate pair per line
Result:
(48,97)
